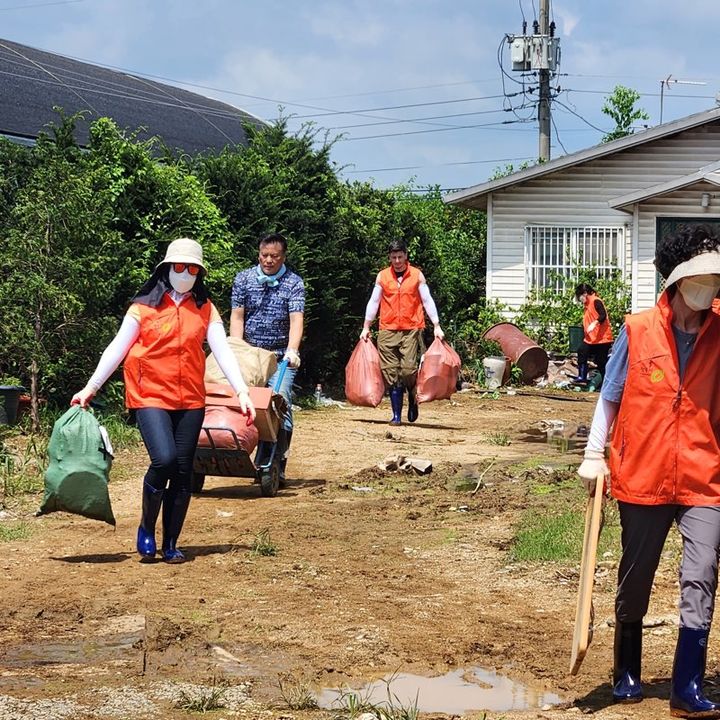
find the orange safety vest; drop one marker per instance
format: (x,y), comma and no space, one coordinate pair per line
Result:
(400,304)
(602,332)
(166,366)
(665,447)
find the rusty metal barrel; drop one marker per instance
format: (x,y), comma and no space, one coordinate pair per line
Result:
(522,351)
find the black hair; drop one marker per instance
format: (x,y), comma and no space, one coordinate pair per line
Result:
(273,238)
(683,244)
(151,293)
(397,246)
(584,288)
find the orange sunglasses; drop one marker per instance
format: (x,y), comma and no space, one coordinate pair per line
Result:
(181,267)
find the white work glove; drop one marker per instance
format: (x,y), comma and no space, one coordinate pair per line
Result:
(246,406)
(83,397)
(592,326)
(438,332)
(593,465)
(293,358)
(365,334)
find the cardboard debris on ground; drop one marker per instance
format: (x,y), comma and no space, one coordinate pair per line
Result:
(395,463)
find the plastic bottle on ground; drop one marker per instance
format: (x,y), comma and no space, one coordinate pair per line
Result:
(318,393)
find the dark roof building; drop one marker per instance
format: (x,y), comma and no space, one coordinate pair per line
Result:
(33,81)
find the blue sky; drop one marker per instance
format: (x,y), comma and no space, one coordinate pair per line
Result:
(396,77)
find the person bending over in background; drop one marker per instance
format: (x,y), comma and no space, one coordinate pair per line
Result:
(598,335)
(400,293)
(662,392)
(161,339)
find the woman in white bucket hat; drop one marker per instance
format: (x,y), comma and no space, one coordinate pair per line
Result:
(662,392)
(161,341)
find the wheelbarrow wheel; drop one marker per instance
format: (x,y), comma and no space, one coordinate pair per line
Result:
(270,480)
(197,483)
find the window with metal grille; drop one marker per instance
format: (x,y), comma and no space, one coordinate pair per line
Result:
(553,254)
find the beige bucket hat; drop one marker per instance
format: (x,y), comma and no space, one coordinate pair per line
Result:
(706,263)
(184,250)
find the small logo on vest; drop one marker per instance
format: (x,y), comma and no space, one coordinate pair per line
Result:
(656,375)
(165,327)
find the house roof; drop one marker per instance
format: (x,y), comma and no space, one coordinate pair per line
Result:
(476,196)
(709,173)
(33,81)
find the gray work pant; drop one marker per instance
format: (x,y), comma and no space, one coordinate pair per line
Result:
(644,530)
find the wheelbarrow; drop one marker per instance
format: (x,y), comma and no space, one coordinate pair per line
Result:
(226,456)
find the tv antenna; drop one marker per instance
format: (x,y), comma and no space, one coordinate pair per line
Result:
(666,84)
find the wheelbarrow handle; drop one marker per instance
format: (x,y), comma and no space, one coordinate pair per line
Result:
(282,367)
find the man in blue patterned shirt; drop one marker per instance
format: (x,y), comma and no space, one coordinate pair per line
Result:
(268,305)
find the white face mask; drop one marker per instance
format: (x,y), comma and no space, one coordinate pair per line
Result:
(700,292)
(182,282)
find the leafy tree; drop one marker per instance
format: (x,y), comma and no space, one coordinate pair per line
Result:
(56,265)
(620,106)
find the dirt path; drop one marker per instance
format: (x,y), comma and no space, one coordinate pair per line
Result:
(374,573)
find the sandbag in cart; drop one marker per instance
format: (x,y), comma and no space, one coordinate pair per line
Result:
(227,442)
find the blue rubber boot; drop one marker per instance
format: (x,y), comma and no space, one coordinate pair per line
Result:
(628,655)
(151,502)
(396,401)
(412,405)
(175,509)
(686,692)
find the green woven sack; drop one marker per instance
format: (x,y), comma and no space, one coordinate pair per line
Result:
(76,480)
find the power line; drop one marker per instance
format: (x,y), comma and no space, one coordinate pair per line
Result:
(447,164)
(434,130)
(46,4)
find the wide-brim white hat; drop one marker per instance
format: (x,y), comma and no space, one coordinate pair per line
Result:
(706,263)
(184,250)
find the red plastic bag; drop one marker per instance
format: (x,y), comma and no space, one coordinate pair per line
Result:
(220,420)
(438,373)
(364,384)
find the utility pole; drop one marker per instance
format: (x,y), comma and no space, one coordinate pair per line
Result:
(540,53)
(544,103)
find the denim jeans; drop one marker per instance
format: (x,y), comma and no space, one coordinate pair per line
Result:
(170,437)
(286,390)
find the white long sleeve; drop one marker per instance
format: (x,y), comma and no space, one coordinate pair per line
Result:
(226,360)
(429,303)
(115,352)
(605,413)
(373,305)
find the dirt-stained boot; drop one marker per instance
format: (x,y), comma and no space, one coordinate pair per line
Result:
(413,411)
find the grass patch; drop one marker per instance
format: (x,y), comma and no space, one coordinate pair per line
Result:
(14,531)
(263,545)
(297,693)
(202,700)
(498,438)
(352,704)
(545,537)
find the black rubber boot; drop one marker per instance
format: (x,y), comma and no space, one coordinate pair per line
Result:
(413,411)
(628,657)
(687,699)
(175,509)
(151,502)
(396,401)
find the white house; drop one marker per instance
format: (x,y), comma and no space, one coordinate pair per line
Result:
(604,206)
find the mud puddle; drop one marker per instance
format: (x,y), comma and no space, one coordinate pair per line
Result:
(457,692)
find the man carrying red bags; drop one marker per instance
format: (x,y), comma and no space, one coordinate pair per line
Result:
(400,294)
